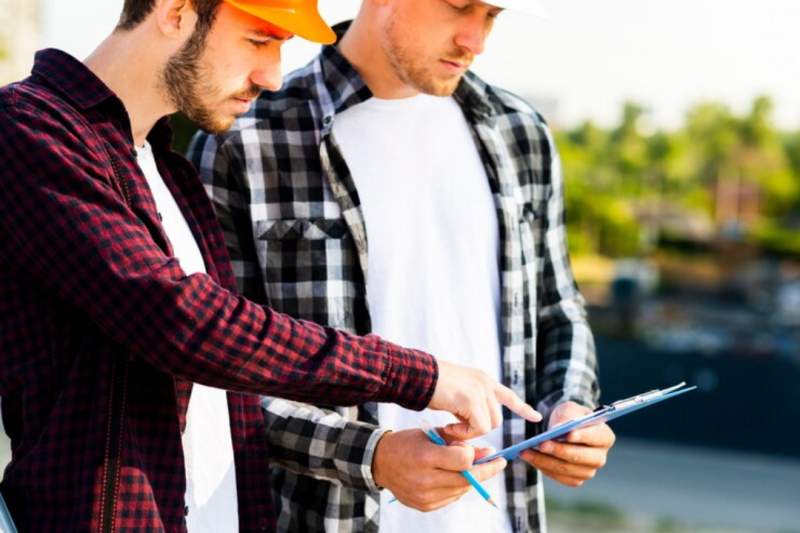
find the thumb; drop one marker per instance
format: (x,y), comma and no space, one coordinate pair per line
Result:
(480,453)
(565,412)
(460,431)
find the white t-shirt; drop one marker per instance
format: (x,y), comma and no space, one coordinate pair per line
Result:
(433,280)
(207,446)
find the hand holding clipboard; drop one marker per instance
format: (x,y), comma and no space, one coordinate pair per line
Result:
(599,416)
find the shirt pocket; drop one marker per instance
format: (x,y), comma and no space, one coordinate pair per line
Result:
(311,229)
(310,268)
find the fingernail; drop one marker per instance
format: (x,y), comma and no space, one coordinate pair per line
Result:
(546,447)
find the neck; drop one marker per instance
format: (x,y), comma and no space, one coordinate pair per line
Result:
(131,71)
(362,47)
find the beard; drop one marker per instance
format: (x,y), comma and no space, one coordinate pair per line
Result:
(189,86)
(408,67)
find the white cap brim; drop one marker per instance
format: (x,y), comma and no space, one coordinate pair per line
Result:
(530,7)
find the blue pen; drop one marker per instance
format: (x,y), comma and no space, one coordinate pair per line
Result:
(431,433)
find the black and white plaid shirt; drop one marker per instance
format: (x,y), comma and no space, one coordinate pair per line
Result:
(295,229)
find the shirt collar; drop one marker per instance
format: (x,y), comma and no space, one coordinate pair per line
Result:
(71,79)
(475,97)
(344,85)
(77,84)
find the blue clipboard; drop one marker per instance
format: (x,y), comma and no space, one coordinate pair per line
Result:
(599,416)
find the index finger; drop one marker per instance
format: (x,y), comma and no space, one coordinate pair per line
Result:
(456,456)
(484,471)
(510,399)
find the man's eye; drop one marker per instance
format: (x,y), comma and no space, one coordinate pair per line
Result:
(459,5)
(258,44)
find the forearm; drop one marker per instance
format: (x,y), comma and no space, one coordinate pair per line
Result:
(321,444)
(566,359)
(566,354)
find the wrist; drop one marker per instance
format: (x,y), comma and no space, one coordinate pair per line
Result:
(379,460)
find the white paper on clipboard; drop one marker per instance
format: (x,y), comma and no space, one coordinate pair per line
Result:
(599,416)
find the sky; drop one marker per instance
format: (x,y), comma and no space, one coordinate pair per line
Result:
(589,56)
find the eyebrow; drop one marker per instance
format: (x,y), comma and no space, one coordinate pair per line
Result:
(264,34)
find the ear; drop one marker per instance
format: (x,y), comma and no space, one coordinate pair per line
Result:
(175,18)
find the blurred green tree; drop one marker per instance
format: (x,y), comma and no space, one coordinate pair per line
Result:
(626,180)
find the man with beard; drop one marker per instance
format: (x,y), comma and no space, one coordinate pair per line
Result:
(388,189)
(120,327)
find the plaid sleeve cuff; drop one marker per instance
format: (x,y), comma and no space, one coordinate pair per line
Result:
(369,457)
(322,444)
(354,454)
(411,379)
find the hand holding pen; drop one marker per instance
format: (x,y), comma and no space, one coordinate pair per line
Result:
(431,433)
(426,476)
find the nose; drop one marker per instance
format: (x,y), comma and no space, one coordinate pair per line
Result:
(268,72)
(472,35)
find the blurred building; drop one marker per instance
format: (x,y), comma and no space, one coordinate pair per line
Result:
(20,28)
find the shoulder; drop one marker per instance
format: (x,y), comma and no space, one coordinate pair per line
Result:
(517,119)
(522,126)
(36,112)
(503,102)
(29,98)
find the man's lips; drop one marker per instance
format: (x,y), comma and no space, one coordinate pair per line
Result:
(243,104)
(456,66)
(248,95)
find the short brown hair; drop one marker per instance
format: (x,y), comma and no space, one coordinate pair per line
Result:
(135,11)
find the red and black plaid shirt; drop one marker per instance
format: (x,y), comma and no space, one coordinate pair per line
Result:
(102,333)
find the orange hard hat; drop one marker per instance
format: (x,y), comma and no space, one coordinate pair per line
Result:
(299,17)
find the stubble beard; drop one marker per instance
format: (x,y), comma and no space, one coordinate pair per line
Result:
(405,63)
(188,86)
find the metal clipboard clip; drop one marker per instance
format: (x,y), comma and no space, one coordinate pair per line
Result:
(644,398)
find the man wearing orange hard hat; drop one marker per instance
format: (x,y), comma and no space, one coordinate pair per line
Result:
(131,368)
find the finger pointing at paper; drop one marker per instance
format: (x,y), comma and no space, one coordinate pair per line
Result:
(577,459)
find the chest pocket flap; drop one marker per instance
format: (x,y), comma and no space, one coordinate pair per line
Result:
(303,229)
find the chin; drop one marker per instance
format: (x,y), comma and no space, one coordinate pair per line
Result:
(443,89)
(217,126)
(439,86)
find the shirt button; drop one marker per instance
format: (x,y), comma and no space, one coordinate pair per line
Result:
(327,120)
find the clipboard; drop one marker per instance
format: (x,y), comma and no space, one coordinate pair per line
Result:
(599,416)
